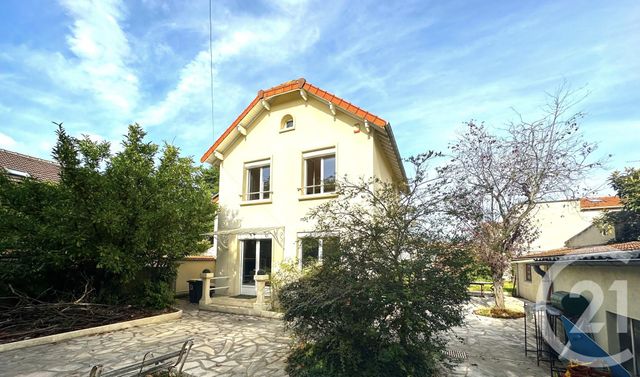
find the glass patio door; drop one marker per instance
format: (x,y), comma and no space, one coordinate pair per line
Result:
(256,257)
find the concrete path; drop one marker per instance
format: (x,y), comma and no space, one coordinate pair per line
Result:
(495,347)
(234,345)
(225,345)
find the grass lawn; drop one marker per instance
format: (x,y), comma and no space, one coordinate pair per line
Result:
(508,288)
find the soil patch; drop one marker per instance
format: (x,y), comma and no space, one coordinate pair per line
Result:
(37,319)
(494,312)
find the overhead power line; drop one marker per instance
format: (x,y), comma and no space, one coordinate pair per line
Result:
(213,129)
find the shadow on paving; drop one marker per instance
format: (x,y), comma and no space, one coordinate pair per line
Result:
(494,347)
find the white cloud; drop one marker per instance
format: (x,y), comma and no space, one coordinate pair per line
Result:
(249,41)
(7,142)
(190,90)
(103,51)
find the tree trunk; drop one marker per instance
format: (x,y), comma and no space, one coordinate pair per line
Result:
(498,291)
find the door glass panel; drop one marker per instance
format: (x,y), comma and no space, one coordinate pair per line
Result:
(265,257)
(249,262)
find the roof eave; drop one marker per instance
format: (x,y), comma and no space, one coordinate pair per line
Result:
(230,135)
(403,174)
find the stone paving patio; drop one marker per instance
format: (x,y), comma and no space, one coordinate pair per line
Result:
(494,346)
(234,345)
(225,345)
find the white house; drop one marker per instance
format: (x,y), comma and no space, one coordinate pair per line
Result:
(569,223)
(563,225)
(279,158)
(585,261)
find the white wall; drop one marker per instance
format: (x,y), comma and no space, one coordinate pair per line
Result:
(559,221)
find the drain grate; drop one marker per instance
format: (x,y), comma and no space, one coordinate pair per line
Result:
(455,354)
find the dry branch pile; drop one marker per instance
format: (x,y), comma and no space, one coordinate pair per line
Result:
(24,317)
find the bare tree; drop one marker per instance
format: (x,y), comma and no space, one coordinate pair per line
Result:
(499,177)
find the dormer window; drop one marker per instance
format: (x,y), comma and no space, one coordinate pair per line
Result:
(287,123)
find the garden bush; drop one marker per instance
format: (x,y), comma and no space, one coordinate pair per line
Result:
(381,304)
(115,224)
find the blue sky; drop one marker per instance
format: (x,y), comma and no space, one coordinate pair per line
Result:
(425,66)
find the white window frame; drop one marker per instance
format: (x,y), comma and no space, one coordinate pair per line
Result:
(319,154)
(246,195)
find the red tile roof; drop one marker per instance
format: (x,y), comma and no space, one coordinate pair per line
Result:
(36,168)
(600,202)
(625,246)
(289,86)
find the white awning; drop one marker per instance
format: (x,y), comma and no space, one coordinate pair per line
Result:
(257,230)
(276,233)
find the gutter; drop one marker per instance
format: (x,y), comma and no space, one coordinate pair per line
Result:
(539,271)
(395,148)
(591,262)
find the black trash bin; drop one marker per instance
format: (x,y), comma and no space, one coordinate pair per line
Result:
(195,290)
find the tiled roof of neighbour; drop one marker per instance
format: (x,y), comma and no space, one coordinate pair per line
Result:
(290,86)
(600,202)
(598,249)
(18,164)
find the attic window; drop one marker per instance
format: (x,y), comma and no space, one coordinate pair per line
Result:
(287,123)
(17,173)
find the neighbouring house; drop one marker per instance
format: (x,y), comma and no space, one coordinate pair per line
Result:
(562,225)
(279,158)
(190,268)
(608,276)
(573,255)
(569,223)
(19,166)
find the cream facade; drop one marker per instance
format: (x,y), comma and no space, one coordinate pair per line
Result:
(293,143)
(560,222)
(190,268)
(527,281)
